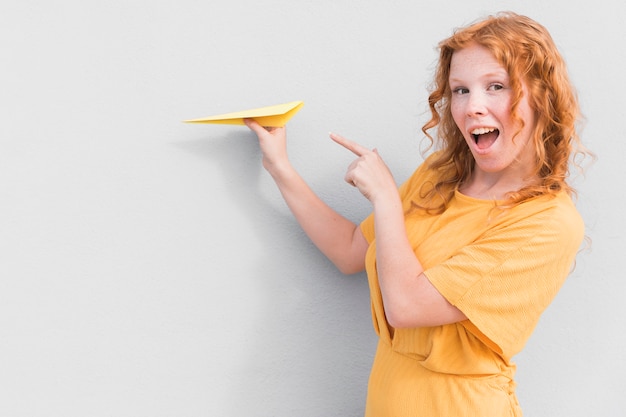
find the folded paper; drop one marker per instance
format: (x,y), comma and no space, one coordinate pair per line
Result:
(270,116)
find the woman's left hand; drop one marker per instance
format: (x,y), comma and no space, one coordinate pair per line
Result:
(368,172)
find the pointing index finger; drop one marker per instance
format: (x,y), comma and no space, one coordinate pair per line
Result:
(353,147)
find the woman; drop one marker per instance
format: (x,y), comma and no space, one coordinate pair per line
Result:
(467,254)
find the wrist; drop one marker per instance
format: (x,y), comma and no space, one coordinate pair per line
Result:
(388,201)
(279,170)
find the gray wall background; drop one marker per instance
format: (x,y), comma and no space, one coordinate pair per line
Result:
(150,268)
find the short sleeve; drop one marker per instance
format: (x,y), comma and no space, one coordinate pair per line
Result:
(505,279)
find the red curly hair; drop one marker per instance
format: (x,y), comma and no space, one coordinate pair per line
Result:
(528,53)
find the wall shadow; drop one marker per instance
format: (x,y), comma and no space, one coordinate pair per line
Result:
(304,344)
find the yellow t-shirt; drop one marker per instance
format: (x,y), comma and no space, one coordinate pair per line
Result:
(502,269)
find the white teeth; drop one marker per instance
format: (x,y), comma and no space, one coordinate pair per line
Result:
(482,130)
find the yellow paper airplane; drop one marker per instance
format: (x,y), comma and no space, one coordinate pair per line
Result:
(271,116)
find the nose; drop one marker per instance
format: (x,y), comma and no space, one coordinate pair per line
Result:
(476,105)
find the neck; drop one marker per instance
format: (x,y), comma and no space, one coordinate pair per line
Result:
(487,186)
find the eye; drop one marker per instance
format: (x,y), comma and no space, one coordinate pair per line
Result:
(495,87)
(460,90)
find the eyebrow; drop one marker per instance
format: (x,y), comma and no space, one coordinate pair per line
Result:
(487,75)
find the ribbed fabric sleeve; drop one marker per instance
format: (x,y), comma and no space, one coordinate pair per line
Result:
(502,269)
(505,279)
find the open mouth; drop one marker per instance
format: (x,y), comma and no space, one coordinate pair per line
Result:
(484,137)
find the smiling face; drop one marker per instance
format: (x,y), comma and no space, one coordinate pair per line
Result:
(481,108)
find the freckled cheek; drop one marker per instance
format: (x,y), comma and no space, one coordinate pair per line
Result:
(458,114)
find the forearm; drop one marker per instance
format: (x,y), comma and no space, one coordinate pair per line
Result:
(409,298)
(333,234)
(398,267)
(337,237)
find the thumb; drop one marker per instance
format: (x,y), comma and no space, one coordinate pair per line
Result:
(253,125)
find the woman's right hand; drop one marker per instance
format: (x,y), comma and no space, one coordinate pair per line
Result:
(273,143)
